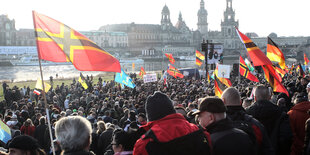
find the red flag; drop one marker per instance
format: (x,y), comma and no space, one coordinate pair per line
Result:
(59,43)
(142,72)
(257,56)
(171,59)
(174,72)
(272,77)
(306,59)
(244,71)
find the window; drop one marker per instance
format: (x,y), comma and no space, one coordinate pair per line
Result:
(7,26)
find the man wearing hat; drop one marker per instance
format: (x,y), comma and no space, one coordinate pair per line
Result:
(225,138)
(298,116)
(168,132)
(24,145)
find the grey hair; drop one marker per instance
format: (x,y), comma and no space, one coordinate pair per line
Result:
(73,133)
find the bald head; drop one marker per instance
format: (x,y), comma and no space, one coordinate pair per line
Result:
(231,97)
(261,93)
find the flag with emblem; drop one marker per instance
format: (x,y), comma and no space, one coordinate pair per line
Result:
(170,57)
(123,78)
(199,58)
(248,63)
(58,42)
(174,72)
(245,72)
(83,82)
(257,56)
(274,53)
(273,79)
(142,72)
(306,59)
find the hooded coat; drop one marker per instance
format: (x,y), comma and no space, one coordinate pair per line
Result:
(298,116)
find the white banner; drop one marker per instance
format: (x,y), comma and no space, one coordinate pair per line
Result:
(223,71)
(149,78)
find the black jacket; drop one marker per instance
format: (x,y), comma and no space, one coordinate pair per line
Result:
(237,113)
(276,123)
(39,134)
(104,141)
(229,140)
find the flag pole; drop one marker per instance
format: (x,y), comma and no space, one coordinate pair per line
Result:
(239,72)
(43,93)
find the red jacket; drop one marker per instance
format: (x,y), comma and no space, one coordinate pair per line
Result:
(166,129)
(28,130)
(298,116)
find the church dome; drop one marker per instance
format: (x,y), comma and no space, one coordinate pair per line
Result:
(273,35)
(165,10)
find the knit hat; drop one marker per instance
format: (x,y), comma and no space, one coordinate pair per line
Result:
(158,106)
(24,142)
(212,105)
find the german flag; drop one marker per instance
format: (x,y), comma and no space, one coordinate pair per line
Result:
(174,72)
(199,58)
(245,72)
(300,71)
(280,71)
(273,79)
(170,57)
(291,69)
(219,87)
(256,55)
(274,53)
(306,59)
(58,42)
(142,72)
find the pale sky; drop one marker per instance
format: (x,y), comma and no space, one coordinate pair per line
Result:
(284,17)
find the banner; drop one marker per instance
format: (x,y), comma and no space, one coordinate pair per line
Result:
(223,71)
(149,78)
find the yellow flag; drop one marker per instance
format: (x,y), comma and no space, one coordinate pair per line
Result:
(39,85)
(133,67)
(82,80)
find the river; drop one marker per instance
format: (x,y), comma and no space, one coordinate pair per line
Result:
(24,73)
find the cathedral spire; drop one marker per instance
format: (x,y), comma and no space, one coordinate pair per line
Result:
(202,4)
(180,16)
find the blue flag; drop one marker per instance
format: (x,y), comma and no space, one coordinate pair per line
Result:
(123,78)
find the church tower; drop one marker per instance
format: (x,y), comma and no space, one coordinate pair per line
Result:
(202,19)
(165,18)
(228,27)
(229,23)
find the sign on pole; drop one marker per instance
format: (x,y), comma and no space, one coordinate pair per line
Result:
(149,78)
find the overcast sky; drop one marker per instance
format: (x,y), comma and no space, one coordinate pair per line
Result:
(284,17)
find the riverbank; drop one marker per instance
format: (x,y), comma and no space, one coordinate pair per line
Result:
(56,81)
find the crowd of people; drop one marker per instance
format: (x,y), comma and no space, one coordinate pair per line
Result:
(182,116)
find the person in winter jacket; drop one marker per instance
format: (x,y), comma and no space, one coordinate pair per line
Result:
(168,132)
(298,116)
(225,139)
(245,122)
(275,121)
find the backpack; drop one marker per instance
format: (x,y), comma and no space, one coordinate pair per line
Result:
(193,143)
